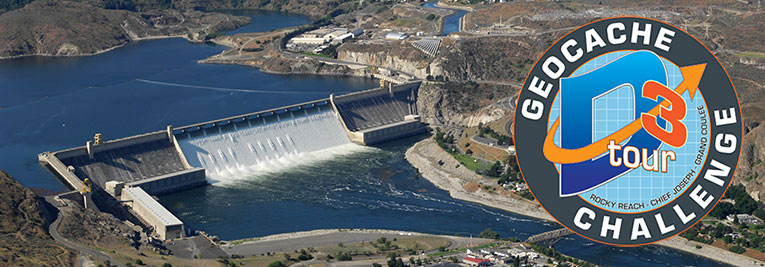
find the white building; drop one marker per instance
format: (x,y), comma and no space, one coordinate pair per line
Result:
(308,40)
(745,219)
(335,33)
(342,38)
(322,36)
(165,224)
(396,36)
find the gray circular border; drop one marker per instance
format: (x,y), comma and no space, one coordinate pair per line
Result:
(541,176)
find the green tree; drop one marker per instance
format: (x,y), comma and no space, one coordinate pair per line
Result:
(504,178)
(276,264)
(760,213)
(722,210)
(737,249)
(344,256)
(488,233)
(119,4)
(495,170)
(746,204)
(395,261)
(304,256)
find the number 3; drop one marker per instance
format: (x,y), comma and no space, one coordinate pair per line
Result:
(674,115)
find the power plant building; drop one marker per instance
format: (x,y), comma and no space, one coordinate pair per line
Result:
(165,224)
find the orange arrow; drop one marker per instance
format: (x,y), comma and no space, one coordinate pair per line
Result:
(691,79)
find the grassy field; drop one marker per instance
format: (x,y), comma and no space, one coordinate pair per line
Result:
(751,54)
(316,55)
(472,163)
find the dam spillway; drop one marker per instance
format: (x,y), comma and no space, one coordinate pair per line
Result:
(178,158)
(263,144)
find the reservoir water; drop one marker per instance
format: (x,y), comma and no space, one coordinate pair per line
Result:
(266,20)
(48,104)
(451,22)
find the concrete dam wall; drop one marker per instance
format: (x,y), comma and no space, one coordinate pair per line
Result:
(235,147)
(264,144)
(379,115)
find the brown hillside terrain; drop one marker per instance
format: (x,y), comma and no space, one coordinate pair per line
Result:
(23,238)
(63,28)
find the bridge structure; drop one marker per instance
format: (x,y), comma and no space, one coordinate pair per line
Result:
(550,237)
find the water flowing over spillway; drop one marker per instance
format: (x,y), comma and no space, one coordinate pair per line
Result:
(268,144)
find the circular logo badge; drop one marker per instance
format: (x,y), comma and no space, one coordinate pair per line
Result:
(628,131)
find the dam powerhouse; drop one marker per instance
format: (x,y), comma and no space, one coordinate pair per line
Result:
(134,168)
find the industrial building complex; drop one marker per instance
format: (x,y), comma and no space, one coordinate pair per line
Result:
(132,169)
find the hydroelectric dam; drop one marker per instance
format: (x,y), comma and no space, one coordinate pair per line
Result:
(131,169)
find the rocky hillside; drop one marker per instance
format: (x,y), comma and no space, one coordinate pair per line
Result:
(506,59)
(63,28)
(23,238)
(401,56)
(100,229)
(464,104)
(314,8)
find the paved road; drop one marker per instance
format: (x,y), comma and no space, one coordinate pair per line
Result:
(84,251)
(195,246)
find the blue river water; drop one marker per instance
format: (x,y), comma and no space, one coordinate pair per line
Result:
(48,104)
(451,22)
(266,20)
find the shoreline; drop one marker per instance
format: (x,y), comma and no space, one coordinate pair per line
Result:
(98,52)
(448,181)
(318,232)
(352,73)
(447,6)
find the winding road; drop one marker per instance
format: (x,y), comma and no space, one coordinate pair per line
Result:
(84,251)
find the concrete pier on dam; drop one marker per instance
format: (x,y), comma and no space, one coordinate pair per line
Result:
(131,169)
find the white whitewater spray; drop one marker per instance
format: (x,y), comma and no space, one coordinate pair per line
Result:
(258,147)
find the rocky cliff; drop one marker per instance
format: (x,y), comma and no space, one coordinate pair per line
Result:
(506,59)
(463,104)
(63,28)
(23,238)
(400,56)
(751,166)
